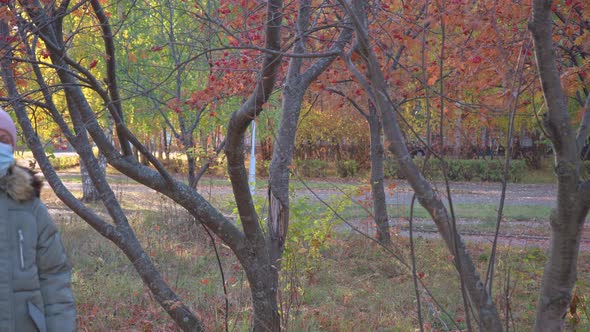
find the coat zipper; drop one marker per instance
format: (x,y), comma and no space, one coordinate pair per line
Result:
(21,245)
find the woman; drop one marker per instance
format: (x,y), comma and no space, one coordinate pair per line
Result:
(35,293)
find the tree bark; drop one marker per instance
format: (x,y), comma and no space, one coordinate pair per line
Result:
(89,192)
(260,270)
(377,189)
(296,84)
(567,219)
(582,135)
(486,311)
(377,172)
(121,234)
(263,287)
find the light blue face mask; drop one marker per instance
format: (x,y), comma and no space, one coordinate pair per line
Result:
(6,158)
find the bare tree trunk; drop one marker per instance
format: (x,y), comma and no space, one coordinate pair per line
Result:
(457,139)
(485,309)
(192,178)
(260,268)
(89,192)
(294,89)
(120,233)
(166,143)
(377,189)
(263,284)
(573,196)
(278,191)
(377,172)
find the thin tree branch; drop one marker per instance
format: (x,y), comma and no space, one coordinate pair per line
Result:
(486,310)
(222,274)
(207,164)
(413,258)
(115,98)
(584,193)
(388,249)
(454,234)
(241,118)
(582,136)
(512,105)
(350,100)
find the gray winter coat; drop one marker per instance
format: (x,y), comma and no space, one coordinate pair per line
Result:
(35,275)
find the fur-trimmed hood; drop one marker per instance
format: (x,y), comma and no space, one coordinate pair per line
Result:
(21,184)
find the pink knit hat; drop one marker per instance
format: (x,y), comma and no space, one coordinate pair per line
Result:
(7,124)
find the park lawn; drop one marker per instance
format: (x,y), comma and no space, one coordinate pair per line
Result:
(354,286)
(351,285)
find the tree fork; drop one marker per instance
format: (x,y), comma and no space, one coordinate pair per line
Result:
(568,217)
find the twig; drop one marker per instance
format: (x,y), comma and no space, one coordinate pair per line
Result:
(507,299)
(451,209)
(221,272)
(413,258)
(512,105)
(384,247)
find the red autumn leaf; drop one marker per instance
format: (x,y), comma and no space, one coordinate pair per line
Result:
(45,53)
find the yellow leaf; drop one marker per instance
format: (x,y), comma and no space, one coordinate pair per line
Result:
(132,58)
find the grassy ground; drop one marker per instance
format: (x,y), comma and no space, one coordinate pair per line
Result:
(349,284)
(483,212)
(355,286)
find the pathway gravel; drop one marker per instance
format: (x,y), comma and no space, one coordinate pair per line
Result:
(526,233)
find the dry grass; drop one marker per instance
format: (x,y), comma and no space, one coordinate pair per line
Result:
(357,286)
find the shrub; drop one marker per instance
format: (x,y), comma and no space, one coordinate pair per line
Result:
(262,167)
(314,168)
(177,165)
(585,168)
(60,163)
(390,168)
(218,167)
(464,170)
(347,168)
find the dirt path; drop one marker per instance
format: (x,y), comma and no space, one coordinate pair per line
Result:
(462,192)
(486,193)
(470,193)
(518,233)
(509,240)
(513,233)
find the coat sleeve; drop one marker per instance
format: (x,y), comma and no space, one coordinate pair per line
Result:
(54,275)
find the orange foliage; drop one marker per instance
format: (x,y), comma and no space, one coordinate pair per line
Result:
(483,43)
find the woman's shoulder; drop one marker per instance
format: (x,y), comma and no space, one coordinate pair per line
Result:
(21,184)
